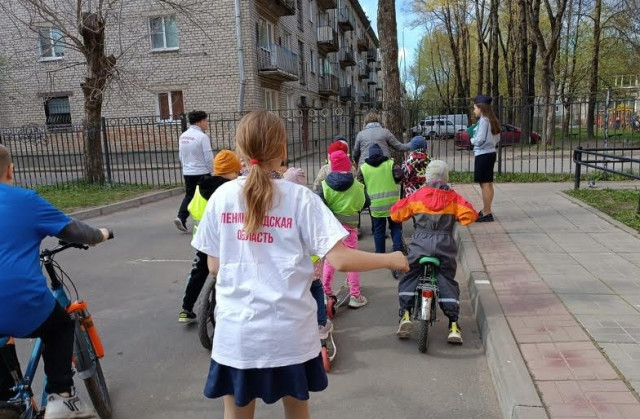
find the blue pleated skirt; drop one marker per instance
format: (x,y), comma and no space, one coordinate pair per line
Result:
(268,384)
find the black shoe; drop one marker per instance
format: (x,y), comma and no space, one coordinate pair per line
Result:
(186,316)
(485,218)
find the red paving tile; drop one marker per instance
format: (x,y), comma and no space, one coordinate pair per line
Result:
(561,328)
(528,288)
(566,361)
(532,305)
(572,399)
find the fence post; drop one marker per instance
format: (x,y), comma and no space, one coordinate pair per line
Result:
(107,153)
(352,124)
(183,122)
(577,158)
(499,142)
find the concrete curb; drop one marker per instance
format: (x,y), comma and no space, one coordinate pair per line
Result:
(517,395)
(123,205)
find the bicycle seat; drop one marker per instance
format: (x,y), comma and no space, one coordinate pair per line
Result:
(429,259)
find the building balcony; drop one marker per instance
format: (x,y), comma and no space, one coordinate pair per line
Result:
(373,78)
(279,7)
(364,98)
(347,93)
(278,63)
(327,4)
(346,57)
(377,65)
(363,71)
(345,19)
(327,40)
(363,43)
(328,85)
(372,55)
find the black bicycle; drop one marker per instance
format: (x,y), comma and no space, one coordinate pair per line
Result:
(426,299)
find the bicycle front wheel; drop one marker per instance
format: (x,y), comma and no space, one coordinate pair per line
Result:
(207,323)
(89,369)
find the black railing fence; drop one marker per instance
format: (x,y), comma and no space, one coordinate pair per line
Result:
(139,149)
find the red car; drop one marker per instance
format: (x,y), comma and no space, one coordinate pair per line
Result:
(509,135)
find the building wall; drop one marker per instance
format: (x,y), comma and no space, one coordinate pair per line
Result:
(204,67)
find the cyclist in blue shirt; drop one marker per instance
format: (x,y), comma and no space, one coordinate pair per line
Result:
(27,306)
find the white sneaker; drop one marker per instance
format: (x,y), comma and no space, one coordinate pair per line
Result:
(357,302)
(180,225)
(325,330)
(71,407)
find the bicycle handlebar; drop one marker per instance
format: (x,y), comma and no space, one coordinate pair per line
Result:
(63,245)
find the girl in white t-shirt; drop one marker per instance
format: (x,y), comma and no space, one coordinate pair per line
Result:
(259,233)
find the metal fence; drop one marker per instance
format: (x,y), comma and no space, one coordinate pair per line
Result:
(145,149)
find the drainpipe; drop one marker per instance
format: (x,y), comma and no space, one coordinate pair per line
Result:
(243,80)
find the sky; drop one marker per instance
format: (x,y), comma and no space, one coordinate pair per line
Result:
(411,36)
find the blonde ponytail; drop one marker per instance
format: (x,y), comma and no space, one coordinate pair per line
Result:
(260,138)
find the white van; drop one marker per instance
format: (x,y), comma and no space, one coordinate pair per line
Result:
(437,128)
(457,119)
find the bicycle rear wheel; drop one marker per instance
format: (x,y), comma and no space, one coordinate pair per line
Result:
(89,369)
(207,323)
(423,341)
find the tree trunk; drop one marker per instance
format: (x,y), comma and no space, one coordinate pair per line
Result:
(595,62)
(495,46)
(99,71)
(525,118)
(533,56)
(549,90)
(479,27)
(392,93)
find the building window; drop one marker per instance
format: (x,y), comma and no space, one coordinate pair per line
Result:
(312,61)
(170,105)
(300,15)
(164,33)
(287,40)
(270,100)
(57,111)
(265,34)
(311,11)
(50,43)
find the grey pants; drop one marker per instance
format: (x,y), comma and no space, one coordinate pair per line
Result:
(442,246)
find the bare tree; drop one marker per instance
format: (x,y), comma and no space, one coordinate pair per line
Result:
(391,89)
(84,27)
(548,43)
(595,64)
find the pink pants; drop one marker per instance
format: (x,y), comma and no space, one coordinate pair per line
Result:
(353,278)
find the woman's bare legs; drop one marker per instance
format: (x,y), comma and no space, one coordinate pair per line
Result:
(487,197)
(231,411)
(295,409)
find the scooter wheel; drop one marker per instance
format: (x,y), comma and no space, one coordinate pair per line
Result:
(325,359)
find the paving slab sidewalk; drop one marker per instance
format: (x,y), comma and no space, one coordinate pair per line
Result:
(567,279)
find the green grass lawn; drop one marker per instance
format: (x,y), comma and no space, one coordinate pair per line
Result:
(467,177)
(76,196)
(619,204)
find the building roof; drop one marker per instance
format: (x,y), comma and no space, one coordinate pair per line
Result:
(363,16)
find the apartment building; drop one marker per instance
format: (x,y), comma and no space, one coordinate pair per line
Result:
(298,54)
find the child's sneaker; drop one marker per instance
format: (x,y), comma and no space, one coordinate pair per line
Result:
(455,336)
(187,316)
(59,407)
(357,302)
(406,326)
(325,330)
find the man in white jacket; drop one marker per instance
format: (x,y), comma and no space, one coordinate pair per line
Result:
(196,157)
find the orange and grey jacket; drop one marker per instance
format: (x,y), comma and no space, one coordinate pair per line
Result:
(436,208)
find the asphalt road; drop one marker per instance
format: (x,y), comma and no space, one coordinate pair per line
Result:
(156,368)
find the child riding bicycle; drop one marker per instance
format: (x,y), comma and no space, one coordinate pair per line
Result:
(28,309)
(436,208)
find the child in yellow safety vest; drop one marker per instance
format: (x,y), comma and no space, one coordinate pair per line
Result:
(345,197)
(380,176)
(226,166)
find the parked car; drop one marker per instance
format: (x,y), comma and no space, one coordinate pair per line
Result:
(433,128)
(509,135)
